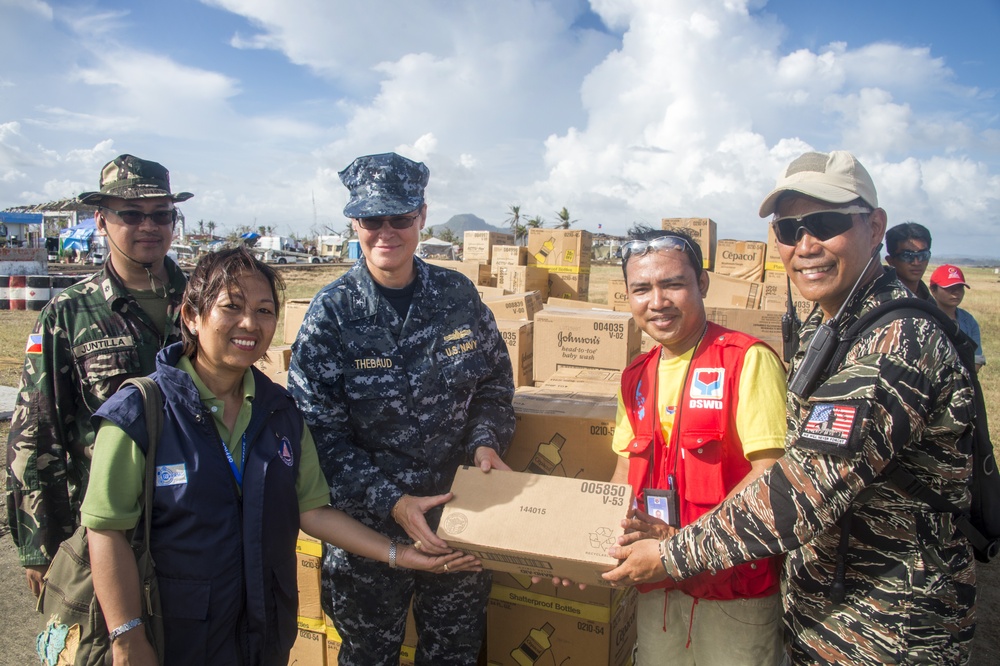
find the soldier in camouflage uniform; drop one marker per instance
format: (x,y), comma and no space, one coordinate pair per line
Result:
(87,341)
(402,377)
(900,394)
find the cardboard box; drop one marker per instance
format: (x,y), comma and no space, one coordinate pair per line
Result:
(570,285)
(333,642)
(704,232)
(775,298)
(308,571)
(309,648)
(536,525)
(478,272)
(276,361)
(515,306)
(772,259)
(509,255)
(554,303)
(477,246)
(730,292)
(518,279)
(741,259)
(563,434)
(518,335)
(295,312)
(599,339)
(560,250)
(559,625)
(618,294)
(491,292)
(580,380)
(646,344)
(763,325)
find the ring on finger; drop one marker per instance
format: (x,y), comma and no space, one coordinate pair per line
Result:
(446,568)
(418,544)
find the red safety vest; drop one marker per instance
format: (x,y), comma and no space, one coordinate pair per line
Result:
(709,461)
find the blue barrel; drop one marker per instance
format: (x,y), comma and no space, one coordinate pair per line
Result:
(4,292)
(36,292)
(17,284)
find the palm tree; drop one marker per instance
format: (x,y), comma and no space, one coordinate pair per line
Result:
(536,222)
(564,220)
(211,227)
(448,235)
(520,234)
(515,219)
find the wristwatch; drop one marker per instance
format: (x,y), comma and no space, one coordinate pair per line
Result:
(392,553)
(128,626)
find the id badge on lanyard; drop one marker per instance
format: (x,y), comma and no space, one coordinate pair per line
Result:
(663,504)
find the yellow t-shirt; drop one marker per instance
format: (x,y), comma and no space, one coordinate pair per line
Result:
(118,466)
(760,412)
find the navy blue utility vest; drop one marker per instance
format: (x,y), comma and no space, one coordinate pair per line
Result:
(225,561)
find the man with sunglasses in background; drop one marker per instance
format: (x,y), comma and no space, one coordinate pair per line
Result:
(87,341)
(908,249)
(402,377)
(700,416)
(872,574)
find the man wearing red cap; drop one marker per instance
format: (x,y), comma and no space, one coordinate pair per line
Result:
(948,287)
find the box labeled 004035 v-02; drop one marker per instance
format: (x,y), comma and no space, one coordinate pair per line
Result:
(536,525)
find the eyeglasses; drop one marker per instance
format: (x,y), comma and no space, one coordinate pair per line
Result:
(397,222)
(134,218)
(913,256)
(821,225)
(641,247)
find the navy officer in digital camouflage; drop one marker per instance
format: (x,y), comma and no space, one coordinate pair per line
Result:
(402,377)
(908,589)
(86,342)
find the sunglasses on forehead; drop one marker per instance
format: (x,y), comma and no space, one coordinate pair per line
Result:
(134,218)
(821,225)
(397,222)
(913,256)
(641,247)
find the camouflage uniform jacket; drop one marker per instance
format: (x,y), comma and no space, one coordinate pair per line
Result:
(910,577)
(397,405)
(86,342)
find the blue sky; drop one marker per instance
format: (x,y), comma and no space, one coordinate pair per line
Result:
(621,110)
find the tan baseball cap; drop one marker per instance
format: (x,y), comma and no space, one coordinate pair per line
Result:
(837,177)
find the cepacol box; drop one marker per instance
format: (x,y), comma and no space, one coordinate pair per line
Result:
(534,524)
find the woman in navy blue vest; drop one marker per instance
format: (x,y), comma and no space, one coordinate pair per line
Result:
(236,476)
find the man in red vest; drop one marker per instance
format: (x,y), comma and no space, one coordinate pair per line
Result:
(700,416)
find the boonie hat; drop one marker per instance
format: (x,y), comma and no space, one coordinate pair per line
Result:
(836,177)
(385,184)
(947,275)
(128,177)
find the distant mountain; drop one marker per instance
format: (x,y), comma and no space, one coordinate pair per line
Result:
(459,224)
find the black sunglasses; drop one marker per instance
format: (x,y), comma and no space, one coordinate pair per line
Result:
(821,225)
(397,222)
(913,256)
(134,218)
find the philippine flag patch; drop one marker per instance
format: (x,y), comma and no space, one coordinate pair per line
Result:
(34,344)
(707,383)
(285,452)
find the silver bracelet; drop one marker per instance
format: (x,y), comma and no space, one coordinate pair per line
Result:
(128,626)
(392,553)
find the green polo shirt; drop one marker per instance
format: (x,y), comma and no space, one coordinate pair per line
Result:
(118,466)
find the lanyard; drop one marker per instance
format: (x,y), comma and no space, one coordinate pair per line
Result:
(237,474)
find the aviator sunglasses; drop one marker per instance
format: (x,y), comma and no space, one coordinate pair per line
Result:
(913,256)
(821,225)
(134,218)
(397,222)
(641,247)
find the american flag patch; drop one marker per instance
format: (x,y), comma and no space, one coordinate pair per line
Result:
(830,423)
(34,344)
